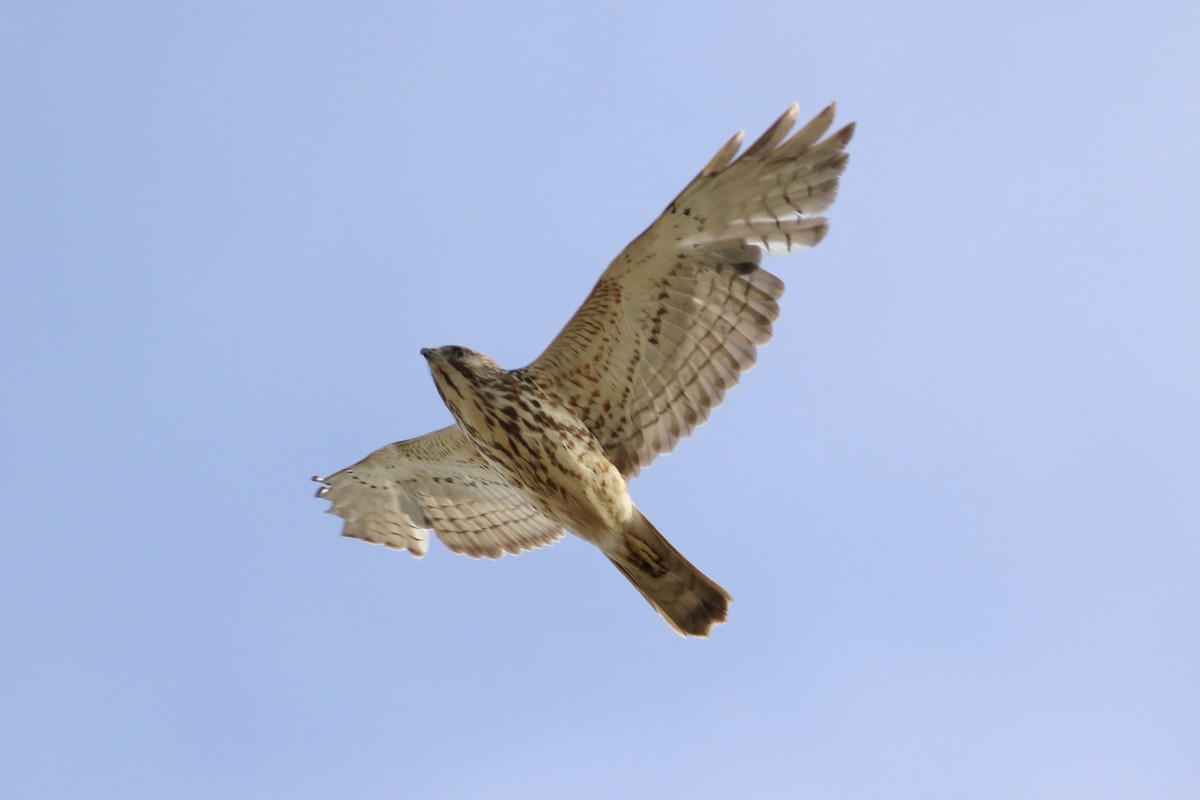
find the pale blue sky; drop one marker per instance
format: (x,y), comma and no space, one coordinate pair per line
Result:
(957,502)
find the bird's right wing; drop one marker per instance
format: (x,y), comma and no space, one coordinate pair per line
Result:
(435,482)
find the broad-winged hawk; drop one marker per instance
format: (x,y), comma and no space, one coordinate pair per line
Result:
(669,327)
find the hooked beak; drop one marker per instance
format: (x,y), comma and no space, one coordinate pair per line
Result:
(428,352)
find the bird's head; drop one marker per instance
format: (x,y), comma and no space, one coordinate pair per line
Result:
(452,364)
(452,353)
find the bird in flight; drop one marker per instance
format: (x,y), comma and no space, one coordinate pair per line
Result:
(670,326)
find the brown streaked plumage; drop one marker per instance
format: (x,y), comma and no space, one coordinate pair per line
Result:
(670,326)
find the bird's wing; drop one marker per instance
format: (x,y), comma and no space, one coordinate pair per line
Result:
(678,315)
(436,482)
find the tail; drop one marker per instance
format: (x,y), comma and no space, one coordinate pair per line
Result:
(685,597)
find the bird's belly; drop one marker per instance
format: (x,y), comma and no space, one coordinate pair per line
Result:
(556,463)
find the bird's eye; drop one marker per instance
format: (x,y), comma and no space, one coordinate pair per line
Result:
(458,352)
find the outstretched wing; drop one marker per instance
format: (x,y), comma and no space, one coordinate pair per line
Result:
(678,315)
(440,482)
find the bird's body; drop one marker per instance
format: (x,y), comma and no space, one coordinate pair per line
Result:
(668,328)
(534,439)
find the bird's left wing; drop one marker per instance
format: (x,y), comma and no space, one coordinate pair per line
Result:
(678,315)
(435,482)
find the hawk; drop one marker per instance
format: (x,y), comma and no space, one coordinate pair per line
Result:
(670,326)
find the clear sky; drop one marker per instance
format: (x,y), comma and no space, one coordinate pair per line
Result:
(957,502)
